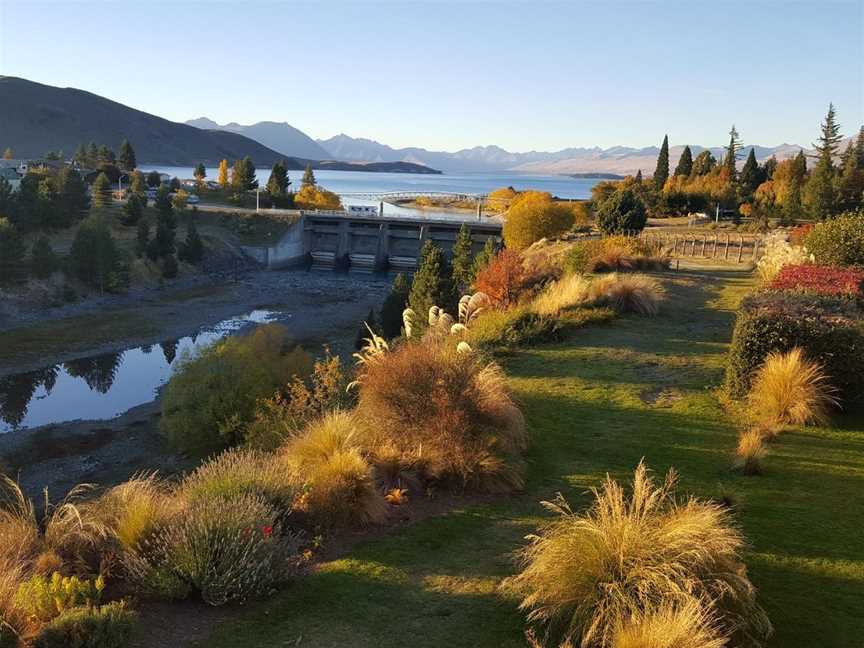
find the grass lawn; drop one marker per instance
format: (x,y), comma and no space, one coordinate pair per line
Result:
(597,403)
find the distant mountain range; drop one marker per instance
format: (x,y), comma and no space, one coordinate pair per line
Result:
(277,136)
(619,160)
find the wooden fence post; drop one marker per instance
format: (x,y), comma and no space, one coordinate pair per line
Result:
(741,249)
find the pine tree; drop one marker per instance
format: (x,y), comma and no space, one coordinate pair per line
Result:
(859,148)
(133,209)
(490,249)
(730,162)
(192,249)
(92,155)
(105,156)
(308,177)
(137,186)
(200,173)
(101,191)
(80,156)
(126,156)
(94,254)
(394,304)
(829,141)
(12,247)
(820,197)
(463,260)
(432,284)
(704,163)
(142,239)
(850,182)
(277,184)
(43,261)
(243,175)
(166,224)
(750,175)
(72,202)
(638,179)
(685,163)
(222,177)
(791,209)
(661,173)
(768,167)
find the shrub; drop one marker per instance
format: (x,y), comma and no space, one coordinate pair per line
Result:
(583,576)
(327,465)
(298,403)
(825,280)
(788,389)
(750,452)
(503,280)
(107,626)
(829,330)
(614,253)
(534,215)
(43,261)
(670,625)
(839,241)
(512,327)
(446,413)
(629,293)
(225,549)
(779,253)
(239,472)
(211,397)
(623,211)
(42,598)
(799,234)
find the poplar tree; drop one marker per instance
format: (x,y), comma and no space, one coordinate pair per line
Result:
(685,163)
(463,260)
(126,156)
(661,173)
(222,176)
(432,284)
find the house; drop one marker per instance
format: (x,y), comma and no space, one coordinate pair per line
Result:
(19,165)
(10,175)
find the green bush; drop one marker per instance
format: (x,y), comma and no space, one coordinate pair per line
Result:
(511,328)
(46,598)
(623,211)
(107,626)
(211,398)
(829,329)
(839,241)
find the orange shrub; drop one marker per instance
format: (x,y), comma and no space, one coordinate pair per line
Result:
(503,279)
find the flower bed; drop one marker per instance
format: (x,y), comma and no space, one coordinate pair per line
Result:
(821,279)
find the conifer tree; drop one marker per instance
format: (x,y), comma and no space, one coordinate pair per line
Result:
(308,177)
(92,155)
(80,156)
(101,191)
(394,304)
(142,238)
(192,249)
(850,182)
(638,179)
(222,174)
(819,192)
(463,260)
(277,184)
(200,173)
(105,156)
(126,156)
(137,186)
(704,163)
(154,180)
(829,140)
(685,163)
(750,174)
(859,148)
(432,284)
(661,173)
(133,209)
(43,261)
(490,249)
(768,167)
(243,175)
(72,201)
(730,162)
(169,266)
(166,224)
(12,248)
(94,254)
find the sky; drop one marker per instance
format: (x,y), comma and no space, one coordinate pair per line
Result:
(529,75)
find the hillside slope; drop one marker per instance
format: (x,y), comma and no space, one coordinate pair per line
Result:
(282,137)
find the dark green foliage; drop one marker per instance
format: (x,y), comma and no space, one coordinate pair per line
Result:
(43,261)
(71,199)
(733,152)
(192,249)
(820,197)
(277,184)
(363,333)
(680,203)
(166,224)
(850,183)
(394,304)
(432,284)
(704,163)
(685,163)
(839,241)
(143,237)
(12,247)
(153,179)
(751,175)
(126,158)
(169,266)
(638,178)
(490,249)
(94,256)
(661,173)
(92,155)
(106,626)
(80,155)
(463,260)
(200,172)
(101,191)
(792,209)
(133,209)
(243,175)
(829,329)
(105,156)
(308,177)
(768,167)
(622,212)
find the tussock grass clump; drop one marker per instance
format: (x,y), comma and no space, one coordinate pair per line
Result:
(751,451)
(687,625)
(629,293)
(789,389)
(572,290)
(586,576)
(446,414)
(136,509)
(14,621)
(328,468)
(239,472)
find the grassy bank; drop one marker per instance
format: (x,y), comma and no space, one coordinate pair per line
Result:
(597,403)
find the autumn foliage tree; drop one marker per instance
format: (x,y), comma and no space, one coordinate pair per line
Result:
(533,216)
(503,279)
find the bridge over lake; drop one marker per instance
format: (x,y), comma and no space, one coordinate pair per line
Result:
(390,196)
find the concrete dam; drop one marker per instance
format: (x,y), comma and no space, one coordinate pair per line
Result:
(339,239)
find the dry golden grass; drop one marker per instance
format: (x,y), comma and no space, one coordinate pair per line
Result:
(14,621)
(789,389)
(447,415)
(628,293)
(687,625)
(751,451)
(136,509)
(584,576)
(327,466)
(572,290)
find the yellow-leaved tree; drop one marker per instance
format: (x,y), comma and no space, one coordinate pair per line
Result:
(316,197)
(222,177)
(535,215)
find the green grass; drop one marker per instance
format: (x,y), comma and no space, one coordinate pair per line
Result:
(597,403)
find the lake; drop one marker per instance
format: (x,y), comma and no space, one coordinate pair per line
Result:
(348,182)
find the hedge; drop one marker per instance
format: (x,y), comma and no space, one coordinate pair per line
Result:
(829,329)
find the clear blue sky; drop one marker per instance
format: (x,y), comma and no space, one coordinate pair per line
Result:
(523,75)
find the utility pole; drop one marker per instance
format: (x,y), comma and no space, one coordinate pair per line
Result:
(257,198)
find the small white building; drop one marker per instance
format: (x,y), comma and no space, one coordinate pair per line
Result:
(11,175)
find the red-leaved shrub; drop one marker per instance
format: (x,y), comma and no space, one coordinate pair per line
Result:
(799,233)
(503,279)
(820,279)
